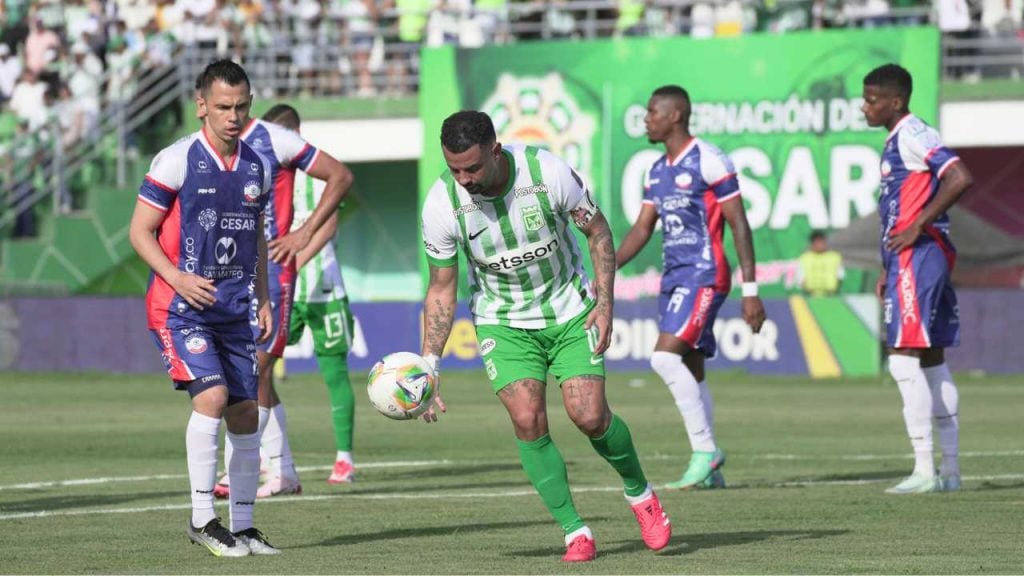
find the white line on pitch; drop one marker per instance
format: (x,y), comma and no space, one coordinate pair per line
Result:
(110,479)
(448,495)
(426,463)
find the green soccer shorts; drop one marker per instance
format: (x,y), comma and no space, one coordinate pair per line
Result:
(331,323)
(511,354)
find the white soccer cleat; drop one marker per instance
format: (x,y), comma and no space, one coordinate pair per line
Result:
(216,538)
(279,486)
(257,542)
(916,484)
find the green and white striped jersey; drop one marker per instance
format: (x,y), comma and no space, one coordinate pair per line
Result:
(525,267)
(320,279)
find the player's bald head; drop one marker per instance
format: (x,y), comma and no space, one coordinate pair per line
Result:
(678,98)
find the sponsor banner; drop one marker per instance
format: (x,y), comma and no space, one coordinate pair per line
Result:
(786,108)
(821,337)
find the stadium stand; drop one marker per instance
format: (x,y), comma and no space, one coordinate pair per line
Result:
(87,85)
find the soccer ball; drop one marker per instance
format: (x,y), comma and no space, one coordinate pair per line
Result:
(402,386)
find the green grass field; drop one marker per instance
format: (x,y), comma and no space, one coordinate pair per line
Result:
(93,480)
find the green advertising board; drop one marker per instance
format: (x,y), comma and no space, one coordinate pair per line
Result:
(785,108)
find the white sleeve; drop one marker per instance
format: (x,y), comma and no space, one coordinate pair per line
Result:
(290,148)
(440,234)
(571,194)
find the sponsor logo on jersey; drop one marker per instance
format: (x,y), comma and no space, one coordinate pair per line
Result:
(466,209)
(195,344)
(673,225)
(254,168)
(226,250)
(522,256)
(675,203)
(207,190)
(886,168)
(191,257)
(532,217)
(529,190)
(431,248)
(243,223)
(203,166)
(208,219)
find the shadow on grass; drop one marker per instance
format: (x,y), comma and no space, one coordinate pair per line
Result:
(452,470)
(990,485)
(422,531)
(690,543)
(69,502)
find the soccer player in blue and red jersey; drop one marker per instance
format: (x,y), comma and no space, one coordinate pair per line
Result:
(921,180)
(286,151)
(198,224)
(691,189)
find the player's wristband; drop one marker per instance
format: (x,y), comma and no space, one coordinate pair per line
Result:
(749,289)
(434,361)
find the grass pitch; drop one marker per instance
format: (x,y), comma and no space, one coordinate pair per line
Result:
(94,481)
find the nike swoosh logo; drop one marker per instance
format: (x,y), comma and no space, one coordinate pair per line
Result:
(597,360)
(478,232)
(332,343)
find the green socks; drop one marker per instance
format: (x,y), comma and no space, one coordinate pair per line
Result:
(545,468)
(616,446)
(343,407)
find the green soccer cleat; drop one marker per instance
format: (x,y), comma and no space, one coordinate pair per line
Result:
(917,484)
(702,466)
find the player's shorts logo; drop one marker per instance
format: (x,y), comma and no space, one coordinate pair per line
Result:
(908,299)
(486,345)
(196,344)
(226,250)
(208,219)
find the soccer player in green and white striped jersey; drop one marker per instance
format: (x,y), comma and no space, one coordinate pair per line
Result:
(322,304)
(509,208)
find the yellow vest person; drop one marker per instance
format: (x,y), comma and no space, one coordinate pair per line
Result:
(821,269)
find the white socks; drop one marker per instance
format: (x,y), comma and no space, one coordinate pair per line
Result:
(917,409)
(244,470)
(945,409)
(688,397)
(344,456)
(264,417)
(201,454)
(275,442)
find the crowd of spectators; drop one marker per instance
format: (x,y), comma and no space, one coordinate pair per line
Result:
(65,63)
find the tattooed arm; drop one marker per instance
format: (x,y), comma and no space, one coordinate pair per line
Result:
(602,254)
(438,316)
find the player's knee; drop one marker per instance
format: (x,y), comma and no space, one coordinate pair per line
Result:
(664,363)
(592,423)
(530,424)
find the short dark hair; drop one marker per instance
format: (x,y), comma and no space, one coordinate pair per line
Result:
(893,77)
(818,235)
(224,70)
(284,115)
(673,91)
(465,129)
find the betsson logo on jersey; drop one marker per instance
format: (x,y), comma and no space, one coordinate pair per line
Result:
(523,256)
